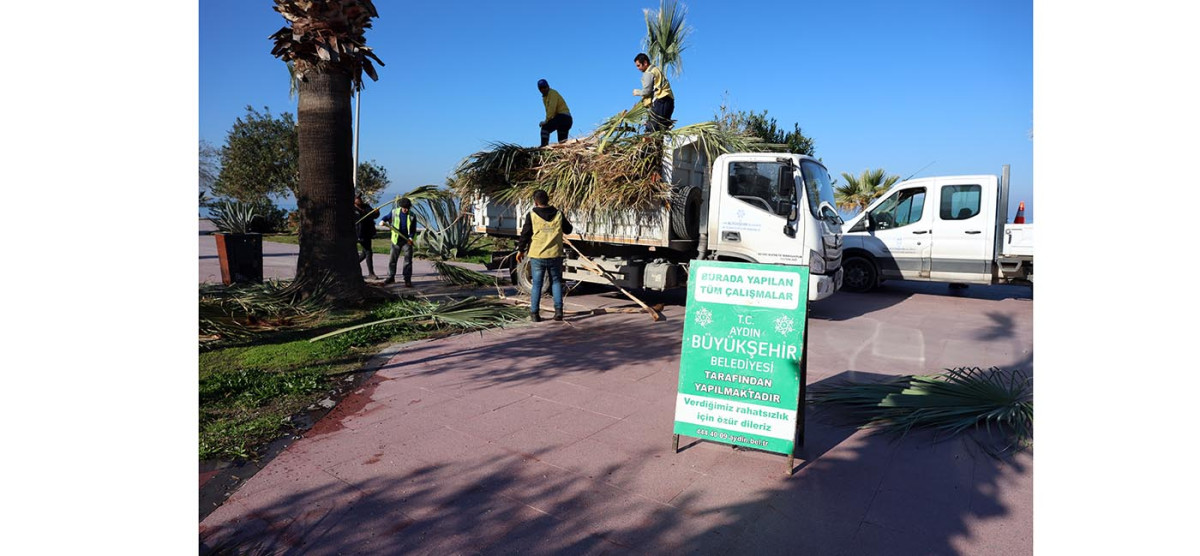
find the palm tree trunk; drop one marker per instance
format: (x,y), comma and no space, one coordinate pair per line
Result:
(325,199)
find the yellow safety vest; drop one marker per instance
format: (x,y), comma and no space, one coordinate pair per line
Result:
(662,87)
(398,225)
(547,242)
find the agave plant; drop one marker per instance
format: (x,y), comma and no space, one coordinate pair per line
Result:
(232,217)
(472,313)
(951,403)
(447,233)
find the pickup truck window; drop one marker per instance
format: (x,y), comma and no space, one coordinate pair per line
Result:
(769,186)
(959,202)
(902,208)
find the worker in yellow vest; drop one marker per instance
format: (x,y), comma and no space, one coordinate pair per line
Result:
(558,116)
(404,230)
(656,94)
(542,238)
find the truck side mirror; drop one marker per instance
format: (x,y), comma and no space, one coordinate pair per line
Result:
(870,222)
(789,231)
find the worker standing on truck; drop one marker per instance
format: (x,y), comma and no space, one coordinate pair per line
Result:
(404,229)
(542,237)
(558,116)
(656,94)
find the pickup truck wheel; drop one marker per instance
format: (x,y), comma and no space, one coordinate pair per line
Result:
(859,275)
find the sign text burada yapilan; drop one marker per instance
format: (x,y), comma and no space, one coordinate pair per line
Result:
(739,371)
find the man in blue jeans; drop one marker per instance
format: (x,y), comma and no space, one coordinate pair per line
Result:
(542,238)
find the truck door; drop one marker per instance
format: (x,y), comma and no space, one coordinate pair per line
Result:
(755,203)
(963,232)
(900,238)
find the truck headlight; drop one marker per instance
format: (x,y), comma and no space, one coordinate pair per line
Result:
(816,263)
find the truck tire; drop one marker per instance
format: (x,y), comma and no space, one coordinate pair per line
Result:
(685,212)
(859,275)
(522,277)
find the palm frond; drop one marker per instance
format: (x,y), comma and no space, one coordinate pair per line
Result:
(239,313)
(666,35)
(323,34)
(472,313)
(459,276)
(615,168)
(953,402)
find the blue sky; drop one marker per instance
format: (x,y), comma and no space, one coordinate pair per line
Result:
(876,84)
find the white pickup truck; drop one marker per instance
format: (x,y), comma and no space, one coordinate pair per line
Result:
(939,229)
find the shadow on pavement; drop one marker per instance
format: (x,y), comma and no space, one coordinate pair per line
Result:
(854,493)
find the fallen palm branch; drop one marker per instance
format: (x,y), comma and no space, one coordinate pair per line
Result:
(239,313)
(472,313)
(458,276)
(967,398)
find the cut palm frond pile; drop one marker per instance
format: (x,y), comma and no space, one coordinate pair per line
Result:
(616,167)
(962,399)
(238,313)
(472,313)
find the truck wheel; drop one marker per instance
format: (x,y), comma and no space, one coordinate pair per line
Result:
(859,275)
(522,277)
(685,212)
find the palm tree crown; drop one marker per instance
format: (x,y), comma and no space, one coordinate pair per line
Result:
(665,36)
(858,192)
(326,33)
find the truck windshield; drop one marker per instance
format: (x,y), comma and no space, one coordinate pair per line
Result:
(817,186)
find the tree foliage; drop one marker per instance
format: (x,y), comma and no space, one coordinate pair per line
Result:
(859,191)
(210,166)
(372,180)
(666,35)
(767,129)
(260,157)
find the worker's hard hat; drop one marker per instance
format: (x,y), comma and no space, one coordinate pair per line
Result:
(542,83)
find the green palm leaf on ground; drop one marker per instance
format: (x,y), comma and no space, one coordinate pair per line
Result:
(997,401)
(472,313)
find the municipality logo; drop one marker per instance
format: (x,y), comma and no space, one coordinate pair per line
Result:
(785,325)
(703,317)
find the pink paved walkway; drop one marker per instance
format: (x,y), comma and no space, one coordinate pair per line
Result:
(556,438)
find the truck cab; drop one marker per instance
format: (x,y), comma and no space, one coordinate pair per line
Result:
(773,208)
(937,229)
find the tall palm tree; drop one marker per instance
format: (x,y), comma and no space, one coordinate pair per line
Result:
(325,45)
(858,192)
(665,35)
